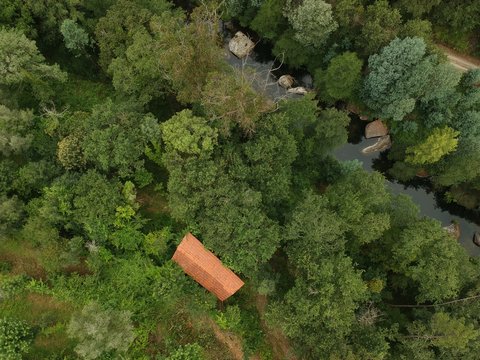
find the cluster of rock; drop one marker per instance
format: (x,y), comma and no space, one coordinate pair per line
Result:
(240,45)
(287,81)
(377,129)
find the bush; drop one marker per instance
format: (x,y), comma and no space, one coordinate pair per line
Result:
(100,331)
(15,339)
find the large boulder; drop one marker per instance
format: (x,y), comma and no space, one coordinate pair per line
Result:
(383,143)
(241,45)
(375,129)
(476,238)
(286,81)
(300,90)
(454,230)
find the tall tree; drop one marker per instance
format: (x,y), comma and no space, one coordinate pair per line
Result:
(100,331)
(312,21)
(342,77)
(22,64)
(439,143)
(403,73)
(381,25)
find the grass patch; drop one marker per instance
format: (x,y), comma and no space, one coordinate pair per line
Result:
(23,258)
(47,316)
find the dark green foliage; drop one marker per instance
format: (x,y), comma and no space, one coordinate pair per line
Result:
(342,78)
(288,49)
(326,252)
(11,211)
(381,25)
(269,156)
(319,310)
(93,188)
(269,21)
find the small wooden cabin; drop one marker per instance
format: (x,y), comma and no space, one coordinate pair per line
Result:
(205,268)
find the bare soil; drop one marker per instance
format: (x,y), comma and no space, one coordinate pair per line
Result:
(460,61)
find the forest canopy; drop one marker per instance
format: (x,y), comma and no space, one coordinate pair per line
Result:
(125,124)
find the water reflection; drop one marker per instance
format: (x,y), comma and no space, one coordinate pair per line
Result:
(419,190)
(431,204)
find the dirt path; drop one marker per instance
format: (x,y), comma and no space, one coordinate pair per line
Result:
(281,347)
(233,343)
(460,61)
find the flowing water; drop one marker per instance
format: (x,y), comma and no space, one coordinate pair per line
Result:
(430,204)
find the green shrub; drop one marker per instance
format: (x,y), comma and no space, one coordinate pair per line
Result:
(15,339)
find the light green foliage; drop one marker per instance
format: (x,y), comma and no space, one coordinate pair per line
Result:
(100,331)
(15,339)
(15,130)
(70,153)
(381,25)
(444,333)
(342,77)
(269,20)
(186,134)
(156,243)
(461,165)
(22,64)
(230,318)
(439,143)
(230,100)
(427,256)
(187,352)
(76,39)
(312,21)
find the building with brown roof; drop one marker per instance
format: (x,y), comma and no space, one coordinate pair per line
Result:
(205,268)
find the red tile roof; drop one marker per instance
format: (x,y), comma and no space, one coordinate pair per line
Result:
(205,268)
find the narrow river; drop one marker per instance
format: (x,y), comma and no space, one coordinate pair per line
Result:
(424,198)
